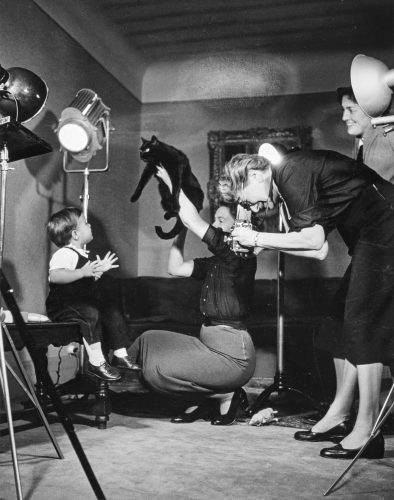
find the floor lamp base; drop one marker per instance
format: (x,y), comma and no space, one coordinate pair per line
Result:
(280,386)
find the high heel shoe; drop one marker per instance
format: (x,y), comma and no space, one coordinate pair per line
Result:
(239,400)
(202,411)
(334,434)
(375,449)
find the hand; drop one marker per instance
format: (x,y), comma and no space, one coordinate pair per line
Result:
(244,235)
(163,175)
(107,263)
(242,252)
(90,270)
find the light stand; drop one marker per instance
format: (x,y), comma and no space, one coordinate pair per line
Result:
(280,384)
(86,172)
(9,129)
(17,142)
(85,204)
(82,130)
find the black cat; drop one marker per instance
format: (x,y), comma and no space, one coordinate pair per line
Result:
(154,153)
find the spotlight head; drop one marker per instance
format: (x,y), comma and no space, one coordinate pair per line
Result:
(83,126)
(23,94)
(74,134)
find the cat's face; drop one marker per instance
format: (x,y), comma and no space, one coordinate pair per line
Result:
(149,150)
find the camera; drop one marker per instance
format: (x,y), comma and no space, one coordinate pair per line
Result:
(235,245)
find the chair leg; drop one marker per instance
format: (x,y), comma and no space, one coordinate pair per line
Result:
(103,407)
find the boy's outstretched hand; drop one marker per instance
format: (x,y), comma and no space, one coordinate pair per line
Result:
(107,262)
(91,270)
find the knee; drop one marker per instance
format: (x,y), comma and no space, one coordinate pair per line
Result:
(91,314)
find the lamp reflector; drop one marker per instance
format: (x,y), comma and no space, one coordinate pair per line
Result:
(23,94)
(83,126)
(371,81)
(73,137)
(269,152)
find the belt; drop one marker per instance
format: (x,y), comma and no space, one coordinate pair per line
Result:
(227,322)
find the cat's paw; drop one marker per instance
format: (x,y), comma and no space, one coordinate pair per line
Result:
(134,198)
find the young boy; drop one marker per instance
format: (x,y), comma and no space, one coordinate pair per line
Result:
(74,294)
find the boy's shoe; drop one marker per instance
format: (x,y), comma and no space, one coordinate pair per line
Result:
(124,363)
(105,371)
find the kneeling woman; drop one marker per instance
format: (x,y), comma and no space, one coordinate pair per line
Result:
(222,359)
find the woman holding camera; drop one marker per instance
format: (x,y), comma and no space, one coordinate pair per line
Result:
(323,190)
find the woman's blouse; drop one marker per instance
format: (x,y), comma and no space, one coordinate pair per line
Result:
(228,280)
(330,189)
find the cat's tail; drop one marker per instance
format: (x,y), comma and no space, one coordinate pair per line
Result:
(171,234)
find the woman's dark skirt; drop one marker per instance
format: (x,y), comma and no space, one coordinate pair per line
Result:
(361,325)
(221,360)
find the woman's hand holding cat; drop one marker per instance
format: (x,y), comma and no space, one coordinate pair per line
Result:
(163,175)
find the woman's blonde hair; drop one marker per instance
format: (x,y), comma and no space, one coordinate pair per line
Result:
(236,172)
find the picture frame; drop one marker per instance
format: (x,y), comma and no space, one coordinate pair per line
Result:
(224,144)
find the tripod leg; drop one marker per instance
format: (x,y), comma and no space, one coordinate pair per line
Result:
(378,424)
(261,399)
(68,426)
(310,400)
(70,430)
(7,402)
(29,390)
(385,404)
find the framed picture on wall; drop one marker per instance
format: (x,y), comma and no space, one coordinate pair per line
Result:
(224,144)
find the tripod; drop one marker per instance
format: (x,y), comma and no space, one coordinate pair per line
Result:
(281,383)
(17,143)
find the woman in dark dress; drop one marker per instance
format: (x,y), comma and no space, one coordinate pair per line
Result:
(222,359)
(323,190)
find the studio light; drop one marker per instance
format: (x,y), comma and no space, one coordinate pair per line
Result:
(22,96)
(372,84)
(22,93)
(83,129)
(83,126)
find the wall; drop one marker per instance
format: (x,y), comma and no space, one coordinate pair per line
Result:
(185,125)
(38,187)
(250,74)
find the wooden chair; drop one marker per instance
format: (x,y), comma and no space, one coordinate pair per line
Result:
(61,334)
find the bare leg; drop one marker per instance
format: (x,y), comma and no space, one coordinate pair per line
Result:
(369,381)
(190,409)
(346,375)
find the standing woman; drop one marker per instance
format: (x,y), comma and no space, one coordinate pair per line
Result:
(323,190)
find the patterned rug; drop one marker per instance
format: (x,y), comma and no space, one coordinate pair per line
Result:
(295,421)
